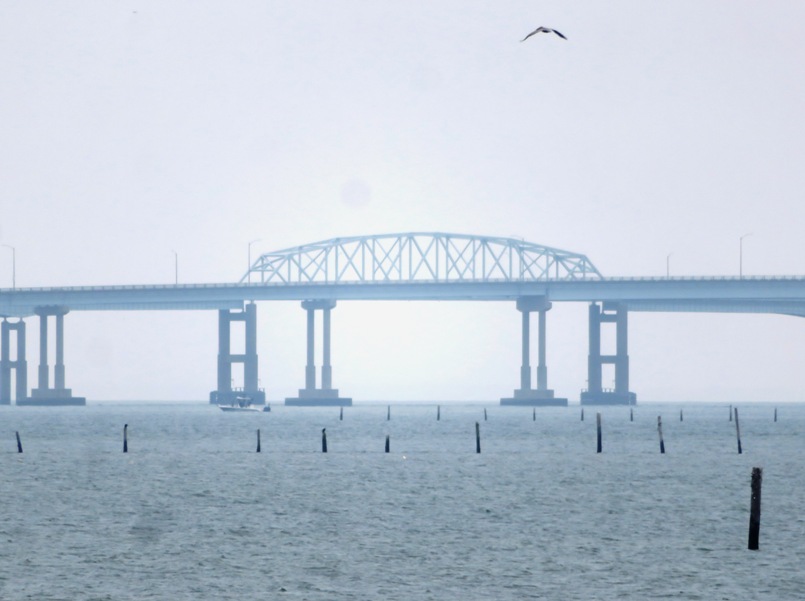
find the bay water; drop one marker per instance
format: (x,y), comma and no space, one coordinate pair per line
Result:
(193,512)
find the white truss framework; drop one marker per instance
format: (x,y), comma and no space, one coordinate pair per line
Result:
(419,257)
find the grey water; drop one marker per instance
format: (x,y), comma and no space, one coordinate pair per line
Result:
(193,512)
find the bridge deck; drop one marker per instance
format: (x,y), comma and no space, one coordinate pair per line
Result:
(700,294)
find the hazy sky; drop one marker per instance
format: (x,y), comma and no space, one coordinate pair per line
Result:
(131,130)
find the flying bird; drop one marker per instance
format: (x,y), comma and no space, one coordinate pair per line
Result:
(543,30)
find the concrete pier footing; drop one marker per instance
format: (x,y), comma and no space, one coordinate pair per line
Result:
(318,398)
(608,397)
(52,398)
(534,398)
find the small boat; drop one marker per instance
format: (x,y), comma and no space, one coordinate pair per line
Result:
(241,403)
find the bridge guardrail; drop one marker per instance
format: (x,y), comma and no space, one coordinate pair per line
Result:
(222,285)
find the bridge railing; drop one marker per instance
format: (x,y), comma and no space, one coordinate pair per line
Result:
(242,284)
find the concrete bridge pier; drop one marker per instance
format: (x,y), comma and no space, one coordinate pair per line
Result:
(526,395)
(18,364)
(226,392)
(596,394)
(310,395)
(44,395)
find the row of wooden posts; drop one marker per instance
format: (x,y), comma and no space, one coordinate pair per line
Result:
(534,414)
(599,439)
(599,445)
(757,473)
(659,429)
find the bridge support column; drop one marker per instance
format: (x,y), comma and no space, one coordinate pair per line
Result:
(310,368)
(525,367)
(227,393)
(525,395)
(326,368)
(542,367)
(310,395)
(18,364)
(596,394)
(44,395)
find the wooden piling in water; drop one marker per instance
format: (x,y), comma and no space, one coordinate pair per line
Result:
(258,440)
(438,412)
(631,414)
(598,429)
(388,413)
(730,412)
(534,416)
(477,437)
(680,415)
(388,445)
(341,414)
(775,414)
(125,438)
(738,431)
(582,414)
(19,444)
(484,414)
(659,430)
(754,512)
(324,440)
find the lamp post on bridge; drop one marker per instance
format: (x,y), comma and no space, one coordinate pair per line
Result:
(13,266)
(668,265)
(249,267)
(741,255)
(176,267)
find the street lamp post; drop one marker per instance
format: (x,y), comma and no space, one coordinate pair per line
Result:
(668,265)
(741,255)
(249,267)
(176,267)
(13,266)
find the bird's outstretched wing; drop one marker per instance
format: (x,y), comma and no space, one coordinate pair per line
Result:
(537,30)
(559,34)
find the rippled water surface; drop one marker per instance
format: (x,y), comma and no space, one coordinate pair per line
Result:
(193,512)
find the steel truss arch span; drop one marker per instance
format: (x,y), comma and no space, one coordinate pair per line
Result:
(420,257)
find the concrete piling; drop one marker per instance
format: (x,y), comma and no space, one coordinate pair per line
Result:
(754,512)
(659,430)
(598,430)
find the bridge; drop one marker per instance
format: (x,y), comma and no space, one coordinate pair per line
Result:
(409,266)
